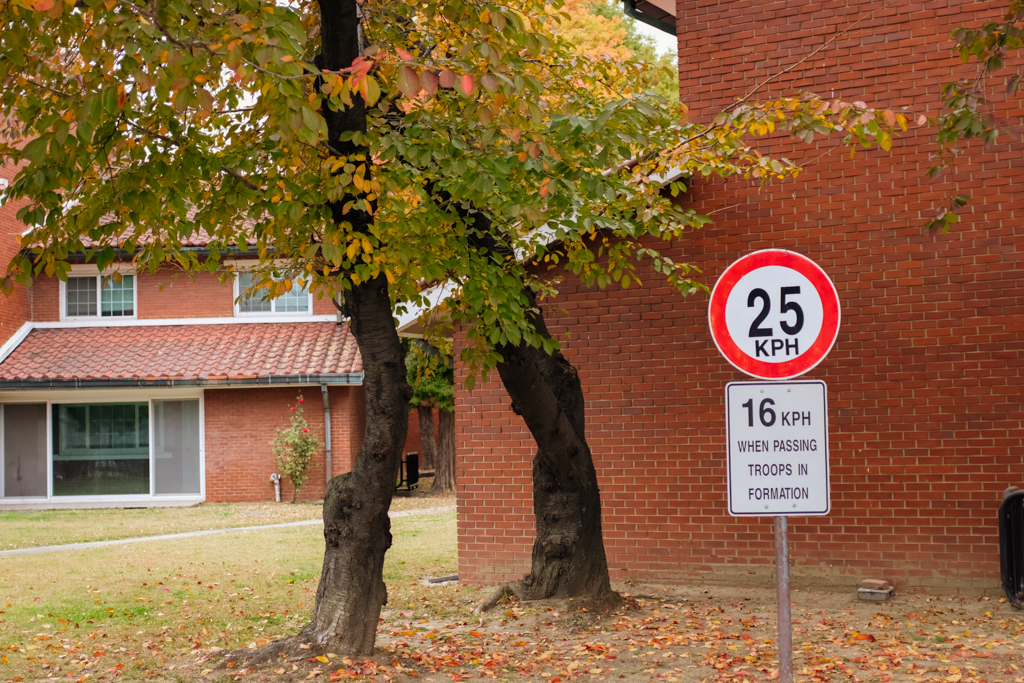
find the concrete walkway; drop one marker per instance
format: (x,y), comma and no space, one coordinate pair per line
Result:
(207,532)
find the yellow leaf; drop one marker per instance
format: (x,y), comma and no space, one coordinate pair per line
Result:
(322,659)
(885,140)
(367,247)
(200,78)
(351,250)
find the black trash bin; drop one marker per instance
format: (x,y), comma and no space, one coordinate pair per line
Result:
(409,475)
(1011,545)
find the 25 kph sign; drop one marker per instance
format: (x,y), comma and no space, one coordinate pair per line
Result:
(774,314)
(777,435)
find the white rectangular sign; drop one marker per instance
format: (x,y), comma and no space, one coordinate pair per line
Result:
(777,448)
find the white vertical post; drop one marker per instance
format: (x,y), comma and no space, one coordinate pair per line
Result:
(151,428)
(782,593)
(2,464)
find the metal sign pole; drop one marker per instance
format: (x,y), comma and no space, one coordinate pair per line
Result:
(782,593)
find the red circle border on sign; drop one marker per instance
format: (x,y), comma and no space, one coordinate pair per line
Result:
(829,324)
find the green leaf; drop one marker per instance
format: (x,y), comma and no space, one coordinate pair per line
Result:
(312,121)
(332,253)
(110,100)
(35,151)
(372,91)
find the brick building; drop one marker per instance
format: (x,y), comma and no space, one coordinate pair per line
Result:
(166,390)
(926,408)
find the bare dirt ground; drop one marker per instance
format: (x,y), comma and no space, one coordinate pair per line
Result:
(690,635)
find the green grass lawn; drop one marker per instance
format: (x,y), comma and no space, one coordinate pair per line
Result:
(56,527)
(144,609)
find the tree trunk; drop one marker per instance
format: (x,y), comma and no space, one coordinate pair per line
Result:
(427,442)
(444,474)
(357,529)
(568,555)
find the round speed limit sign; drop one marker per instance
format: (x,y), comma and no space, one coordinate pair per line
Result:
(774,314)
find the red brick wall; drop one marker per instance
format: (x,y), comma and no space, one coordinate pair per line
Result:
(323,306)
(164,294)
(413,440)
(241,423)
(15,310)
(161,295)
(45,299)
(924,383)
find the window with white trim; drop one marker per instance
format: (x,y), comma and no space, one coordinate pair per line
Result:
(98,296)
(249,301)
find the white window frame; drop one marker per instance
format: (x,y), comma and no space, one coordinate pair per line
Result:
(92,396)
(239,313)
(93,271)
(3,465)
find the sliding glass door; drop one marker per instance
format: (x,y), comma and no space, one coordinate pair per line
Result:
(74,450)
(24,450)
(177,467)
(100,449)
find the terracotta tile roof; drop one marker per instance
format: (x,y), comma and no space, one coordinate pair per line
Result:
(199,238)
(237,353)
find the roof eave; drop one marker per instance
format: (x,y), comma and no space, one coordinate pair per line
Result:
(330,379)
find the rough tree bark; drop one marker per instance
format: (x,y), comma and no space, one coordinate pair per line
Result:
(357,529)
(427,441)
(444,472)
(568,554)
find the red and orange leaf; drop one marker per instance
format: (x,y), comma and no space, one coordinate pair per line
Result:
(408,81)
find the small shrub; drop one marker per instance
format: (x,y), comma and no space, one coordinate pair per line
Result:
(294,447)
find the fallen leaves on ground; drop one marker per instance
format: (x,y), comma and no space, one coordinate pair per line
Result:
(684,638)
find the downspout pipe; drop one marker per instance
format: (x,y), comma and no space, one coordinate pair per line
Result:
(327,435)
